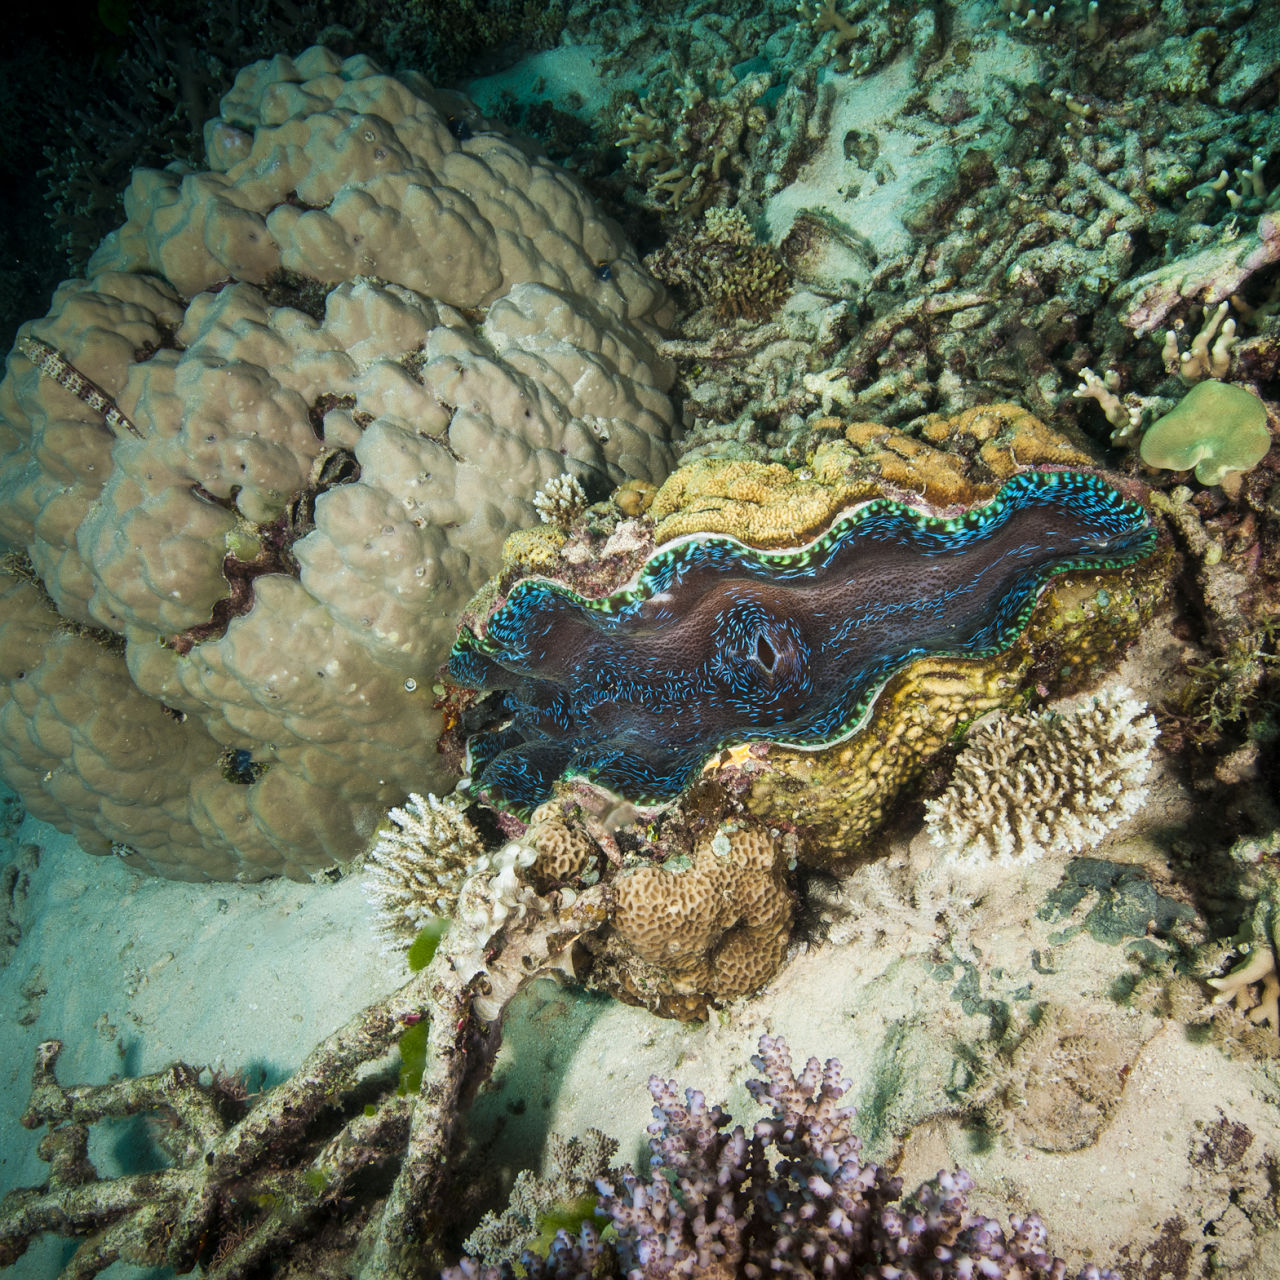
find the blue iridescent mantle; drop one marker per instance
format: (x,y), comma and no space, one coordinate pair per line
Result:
(718,643)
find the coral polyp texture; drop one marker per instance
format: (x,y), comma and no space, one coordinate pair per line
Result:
(1029,783)
(718,643)
(417,865)
(714,928)
(252,467)
(792,1198)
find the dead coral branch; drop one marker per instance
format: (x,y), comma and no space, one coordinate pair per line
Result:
(282,1155)
(246,1189)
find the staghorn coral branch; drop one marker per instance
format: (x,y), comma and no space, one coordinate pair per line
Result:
(466,1022)
(169,1215)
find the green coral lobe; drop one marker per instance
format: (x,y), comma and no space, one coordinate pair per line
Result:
(1218,428)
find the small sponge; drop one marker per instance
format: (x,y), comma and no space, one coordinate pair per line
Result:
(1217,427)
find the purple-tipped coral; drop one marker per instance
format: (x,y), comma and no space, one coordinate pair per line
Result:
(795,1199)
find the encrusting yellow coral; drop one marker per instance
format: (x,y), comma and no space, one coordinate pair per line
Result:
(954,461)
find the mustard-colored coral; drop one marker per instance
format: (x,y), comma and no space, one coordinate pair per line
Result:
(953,462)
(534,549)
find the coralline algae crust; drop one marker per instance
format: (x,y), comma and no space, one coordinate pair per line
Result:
(718,643)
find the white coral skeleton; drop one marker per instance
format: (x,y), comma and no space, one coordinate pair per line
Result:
(1260,1004)
(561,500)
(1027,784)
(416,867)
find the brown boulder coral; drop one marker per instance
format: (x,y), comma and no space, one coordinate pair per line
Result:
(258,461)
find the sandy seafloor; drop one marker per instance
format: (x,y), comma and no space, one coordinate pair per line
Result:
(132,972)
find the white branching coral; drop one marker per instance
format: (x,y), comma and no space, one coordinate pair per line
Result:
(1029,783)
(1210,352)
(416,867)
(1124,414)
(561,500)
(1253,987)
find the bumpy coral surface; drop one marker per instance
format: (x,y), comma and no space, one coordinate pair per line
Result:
(717,928)
(952,461)
(417,865)
(259,459)
(1030,783)
(564,851)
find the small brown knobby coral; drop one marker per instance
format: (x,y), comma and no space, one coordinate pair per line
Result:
(718,927)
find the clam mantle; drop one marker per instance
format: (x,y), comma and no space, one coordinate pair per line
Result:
(716,644)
